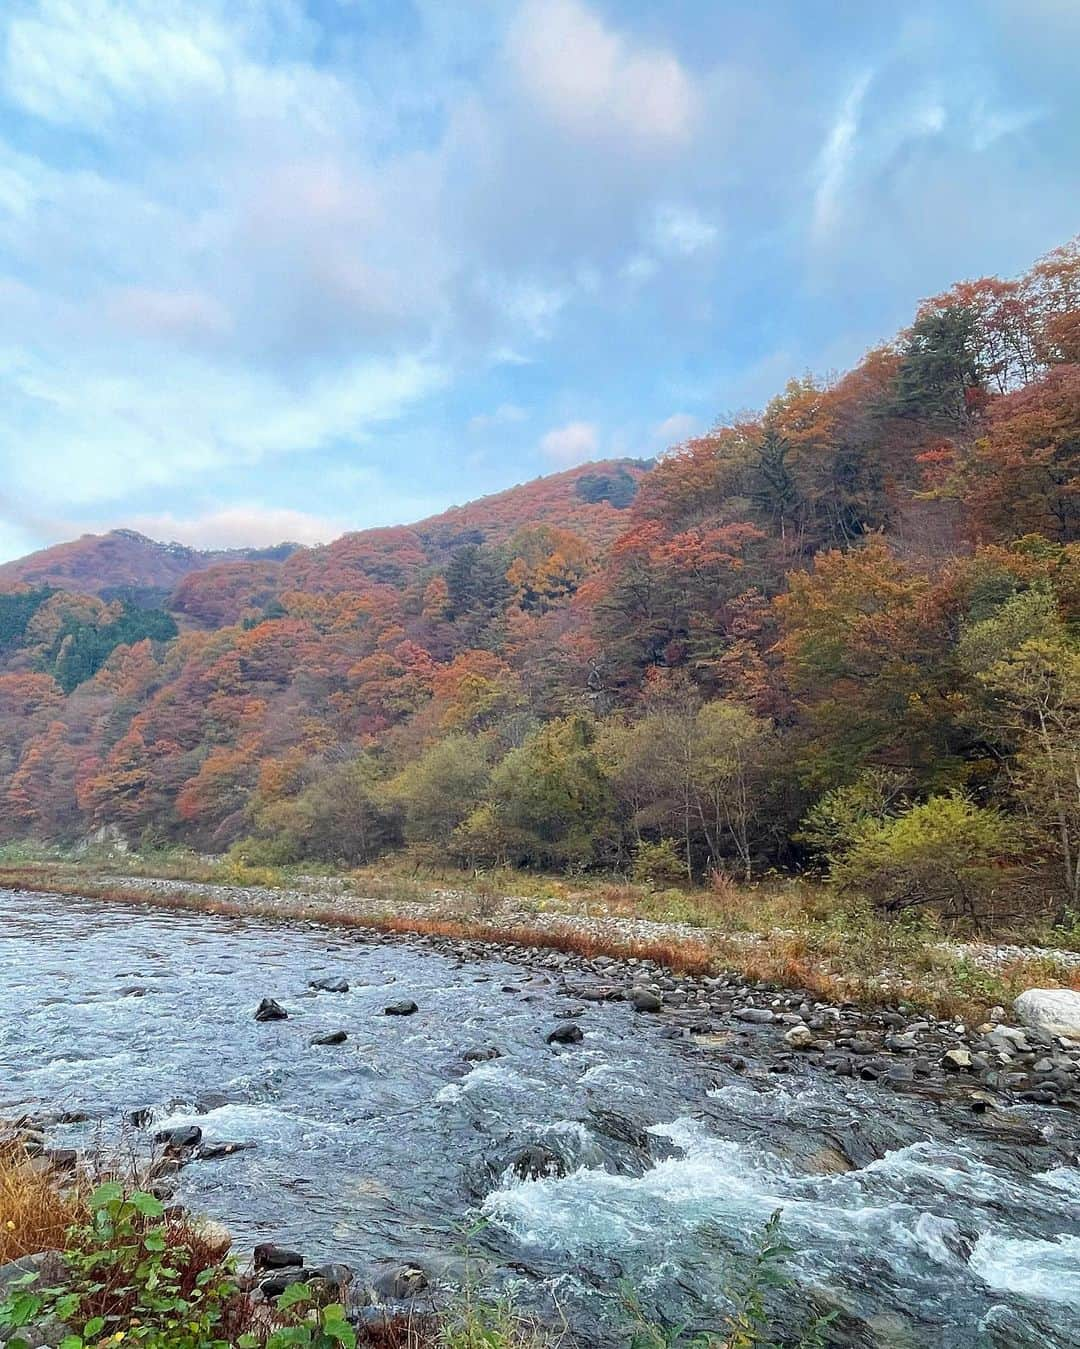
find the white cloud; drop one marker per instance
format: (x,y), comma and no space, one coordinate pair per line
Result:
(835,158)
(574,443)
(169,314)
(591,80)
(680,231)
(506,414)
(239,526)
(675,429)
(87,433)
(80,61)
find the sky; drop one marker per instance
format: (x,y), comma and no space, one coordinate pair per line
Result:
(276,269)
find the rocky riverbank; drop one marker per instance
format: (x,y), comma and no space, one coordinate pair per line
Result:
(995,1060)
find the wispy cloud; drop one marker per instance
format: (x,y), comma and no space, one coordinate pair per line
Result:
(835,158)
(574,443)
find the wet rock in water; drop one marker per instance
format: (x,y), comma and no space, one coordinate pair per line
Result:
(568,1034)
(212,1152)
(270,1010)
(645,1000)
(329,985)
(958,1060)
(756,1016)
(280,1279)
(335,1274)
(482,1055)
(181,1138)
(334,1037)
(404,1008)
(400,1283)
(799,1037)
(268,1255)
(1055,1011)
(536,1161)
(597,993)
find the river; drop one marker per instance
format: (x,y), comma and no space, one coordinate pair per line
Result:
(925,1224)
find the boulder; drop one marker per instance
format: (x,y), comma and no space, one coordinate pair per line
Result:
(267,1255)
(759,1016)
(1055,1011)
(179,1139)
(567,1034)
(330,985)
(957,1059)
(404,1008)
(645,1000)
(481,1055)
(334,1037)
(269,1010)
(401,1282)
(536,1161)
(212,1152)
(799,1037)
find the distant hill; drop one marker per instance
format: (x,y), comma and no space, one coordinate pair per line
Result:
(123,563)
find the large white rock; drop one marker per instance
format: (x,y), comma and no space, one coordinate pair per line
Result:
(1055,1010)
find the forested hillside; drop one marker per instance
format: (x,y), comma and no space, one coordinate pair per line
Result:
(843,633)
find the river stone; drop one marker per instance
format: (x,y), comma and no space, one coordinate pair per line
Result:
(1053,1010)
(334,1037)
(404,1281)
(212,1152)
(959,1059)
(481,1055)
(182,1137)
(569,1034)
(799,1037)
(267,1255)
(276,1282)
(535,1161)
(269,1010)
(645,1000)
(404,1008)
(330,985)
(758,1016)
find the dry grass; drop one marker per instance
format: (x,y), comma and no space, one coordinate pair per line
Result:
(34,1213)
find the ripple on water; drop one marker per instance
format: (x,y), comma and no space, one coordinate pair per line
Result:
(373,1152)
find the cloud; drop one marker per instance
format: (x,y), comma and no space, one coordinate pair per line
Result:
(592,81)
(675,429)
(169,314)
(84,61)
(834,160)
(680,230)
(239,526)
(90,432)
(506,414)
(574,443)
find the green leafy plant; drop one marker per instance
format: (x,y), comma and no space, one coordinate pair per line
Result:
(134,1275)
(308,1322)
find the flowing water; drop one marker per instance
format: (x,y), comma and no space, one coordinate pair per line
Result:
(924,1224)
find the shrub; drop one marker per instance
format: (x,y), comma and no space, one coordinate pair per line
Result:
(661,864)
(945,852)
(133,1274)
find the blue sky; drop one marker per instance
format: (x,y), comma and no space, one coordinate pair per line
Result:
(280,268)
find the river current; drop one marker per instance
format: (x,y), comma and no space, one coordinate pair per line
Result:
(923,1224)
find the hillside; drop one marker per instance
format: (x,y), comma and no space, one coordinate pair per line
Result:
(856,606)
(120,562)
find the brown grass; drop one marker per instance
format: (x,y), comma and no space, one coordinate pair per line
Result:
(34,1213)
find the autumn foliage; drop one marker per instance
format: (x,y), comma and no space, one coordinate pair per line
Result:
(879,574)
